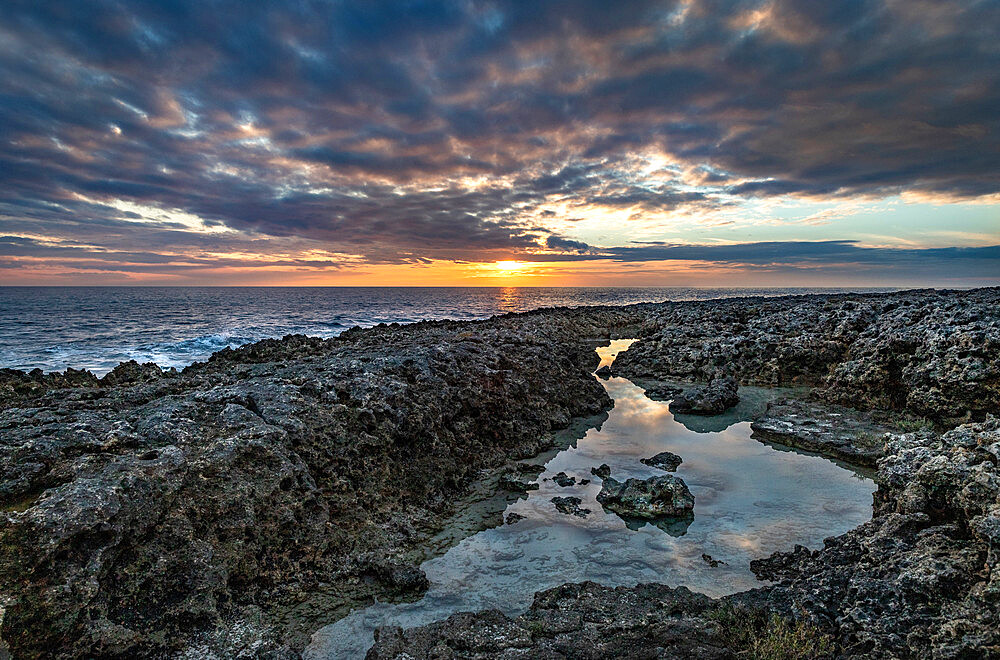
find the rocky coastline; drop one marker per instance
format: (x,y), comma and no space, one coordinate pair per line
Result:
(148,512)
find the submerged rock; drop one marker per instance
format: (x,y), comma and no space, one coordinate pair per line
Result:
(603,471)
(713,399)
(714,563)
(604,372)
(564,480)
(513,517)
(665,460)
(570,506)
(675,527)
(647,499)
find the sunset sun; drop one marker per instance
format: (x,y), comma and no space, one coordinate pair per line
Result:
(509,266)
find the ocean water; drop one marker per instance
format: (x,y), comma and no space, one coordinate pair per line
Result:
(751,500)
(95,328)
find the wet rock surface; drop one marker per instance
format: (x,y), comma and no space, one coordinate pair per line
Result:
(850,435)
(713,399)
(647,499)
(602,471)
(513,518)
(663,391)
(516,482)
(714,563)
(572,621)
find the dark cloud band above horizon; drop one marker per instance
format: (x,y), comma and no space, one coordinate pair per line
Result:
(406,131)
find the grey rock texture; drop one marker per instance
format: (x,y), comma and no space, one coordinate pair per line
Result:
(850,435)
(144,508)
(922,578)
(647,499)
(715,398)
(570,506)
(146,505)
(663,391)
(586,621)
(932,353)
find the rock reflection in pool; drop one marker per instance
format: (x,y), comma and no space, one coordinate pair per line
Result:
(750,500)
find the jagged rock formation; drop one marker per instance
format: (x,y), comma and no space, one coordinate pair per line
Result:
(142,507)
(932,353)
(145,505)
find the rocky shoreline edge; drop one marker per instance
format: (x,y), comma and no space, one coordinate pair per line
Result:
(154,513)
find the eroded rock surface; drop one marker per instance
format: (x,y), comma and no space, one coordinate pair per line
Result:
(147,505)
(647,499)
(585,620)
(140,508)
(922,578)
(850,435)
(932,353)
(715,398)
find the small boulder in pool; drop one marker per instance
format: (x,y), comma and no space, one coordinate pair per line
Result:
(714,399)
(570,506)
(665,460)
(603,471)
(564,479)
(647,499)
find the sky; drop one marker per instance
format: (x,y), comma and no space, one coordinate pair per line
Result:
(321,142)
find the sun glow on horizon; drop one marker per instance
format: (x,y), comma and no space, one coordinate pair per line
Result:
(509,266)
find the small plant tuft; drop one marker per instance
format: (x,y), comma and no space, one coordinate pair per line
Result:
(536,628)
(868,440)
(911,425)
(761,635)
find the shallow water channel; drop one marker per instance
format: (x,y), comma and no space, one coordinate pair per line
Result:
(751,499)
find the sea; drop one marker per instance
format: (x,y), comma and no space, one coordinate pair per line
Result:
(96,328)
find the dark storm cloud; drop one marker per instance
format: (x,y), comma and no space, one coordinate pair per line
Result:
(972,262)
(402,131)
